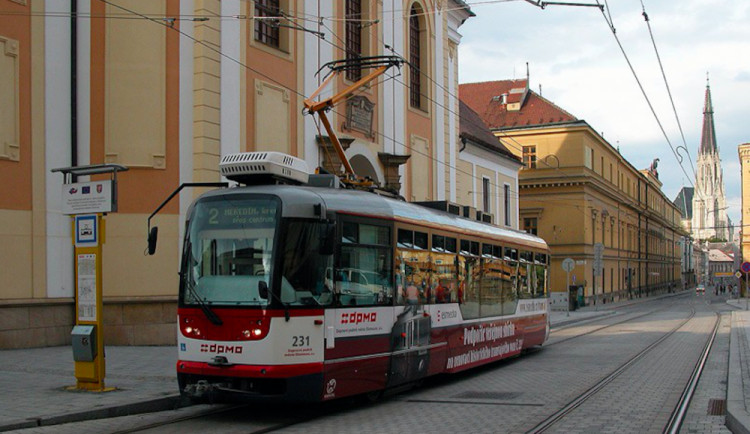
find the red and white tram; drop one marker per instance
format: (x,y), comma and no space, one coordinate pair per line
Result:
(305,292)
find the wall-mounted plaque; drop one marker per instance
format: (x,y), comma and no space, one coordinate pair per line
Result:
(359,112)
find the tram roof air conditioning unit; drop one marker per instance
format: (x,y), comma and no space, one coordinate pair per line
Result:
(254,168)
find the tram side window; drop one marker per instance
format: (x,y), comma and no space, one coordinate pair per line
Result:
(412,239)
(444,269)
(525,273)
(363,275)
(470,272)
(413,268)
(540,272)
(510,280)
(491,287)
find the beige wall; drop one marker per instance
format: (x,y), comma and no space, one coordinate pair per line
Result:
(16,254)
(127,271)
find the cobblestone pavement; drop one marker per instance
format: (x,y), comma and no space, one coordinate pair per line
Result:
(34,381)
(510,396)
(712,386)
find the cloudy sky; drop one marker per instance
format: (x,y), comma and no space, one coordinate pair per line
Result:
(573,55)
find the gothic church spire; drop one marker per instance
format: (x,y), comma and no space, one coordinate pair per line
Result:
(708,137)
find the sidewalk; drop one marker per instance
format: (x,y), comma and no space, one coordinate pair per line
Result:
(738,381)
(33,381)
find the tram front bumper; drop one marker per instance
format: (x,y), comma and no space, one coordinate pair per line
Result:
(208,382)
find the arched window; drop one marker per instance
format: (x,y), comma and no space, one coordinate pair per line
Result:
(415,57)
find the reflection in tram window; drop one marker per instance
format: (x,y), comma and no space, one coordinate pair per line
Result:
(524,275)
(510,290)
(363,275)
(413,267)
(540,271)
(469,280)
(491,302)
(444,278)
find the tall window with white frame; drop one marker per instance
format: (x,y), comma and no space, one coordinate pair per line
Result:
(506,198)
(415,58)
(267,29)
(529,157)
(353,36)
(486,195)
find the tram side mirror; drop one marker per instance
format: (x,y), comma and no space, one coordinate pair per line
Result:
(152,236)
(327,238)
(263,289)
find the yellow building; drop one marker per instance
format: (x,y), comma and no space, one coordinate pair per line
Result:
(744,154)
(576,191)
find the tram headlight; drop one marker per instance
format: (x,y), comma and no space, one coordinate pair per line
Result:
(253,333)
(194,331)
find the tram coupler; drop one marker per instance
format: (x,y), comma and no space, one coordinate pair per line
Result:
(202,390)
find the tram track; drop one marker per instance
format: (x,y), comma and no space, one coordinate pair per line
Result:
(680,410)
(579,323)
(267,423)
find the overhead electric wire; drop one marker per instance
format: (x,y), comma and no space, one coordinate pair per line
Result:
(669,92)
(218,51)
(515,193)
(611,26)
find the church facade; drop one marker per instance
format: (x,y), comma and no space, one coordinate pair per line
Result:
(709,209)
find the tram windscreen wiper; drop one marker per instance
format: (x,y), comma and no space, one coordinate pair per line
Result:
(190,286)
(211,315)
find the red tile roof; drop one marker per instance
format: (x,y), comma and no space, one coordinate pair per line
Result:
(486,99)
(473,128)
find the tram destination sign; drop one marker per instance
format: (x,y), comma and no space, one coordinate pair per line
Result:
(87,197)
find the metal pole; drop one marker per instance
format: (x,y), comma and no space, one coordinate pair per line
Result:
(746,280)
(567,290)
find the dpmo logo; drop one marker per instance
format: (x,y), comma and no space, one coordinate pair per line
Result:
(358,317)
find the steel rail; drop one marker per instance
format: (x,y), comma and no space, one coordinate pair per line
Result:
(583,397)
(678,414)
(209,412)
(587,321)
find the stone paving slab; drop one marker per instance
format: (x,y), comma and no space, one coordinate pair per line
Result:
(33,381)
(738,383)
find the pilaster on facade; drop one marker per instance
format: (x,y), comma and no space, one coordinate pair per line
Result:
(207,93)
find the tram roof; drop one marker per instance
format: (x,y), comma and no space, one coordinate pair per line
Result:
(296,201)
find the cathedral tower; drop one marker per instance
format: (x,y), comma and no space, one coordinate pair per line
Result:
(709,202)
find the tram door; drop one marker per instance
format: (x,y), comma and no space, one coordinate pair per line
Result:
(410,340)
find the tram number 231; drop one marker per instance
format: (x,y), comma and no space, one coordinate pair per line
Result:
(300,341)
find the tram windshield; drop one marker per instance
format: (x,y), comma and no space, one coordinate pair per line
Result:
(228,251)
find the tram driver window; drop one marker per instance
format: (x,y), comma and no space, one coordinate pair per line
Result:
(304,268)
(363,274)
